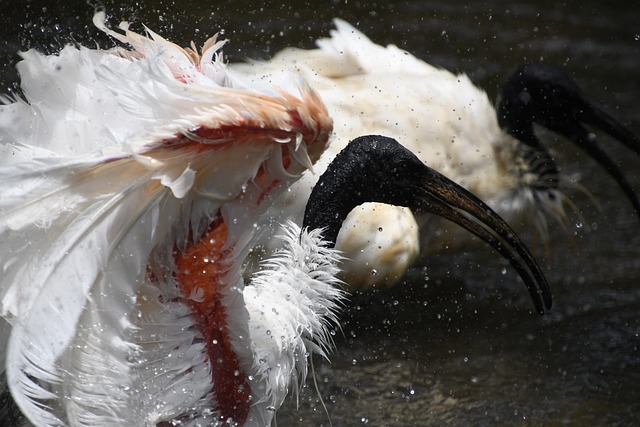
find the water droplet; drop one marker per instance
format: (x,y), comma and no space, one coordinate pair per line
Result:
(579,225)
(503,271)
(374,272)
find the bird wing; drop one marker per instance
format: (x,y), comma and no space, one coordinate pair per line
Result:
(65,227)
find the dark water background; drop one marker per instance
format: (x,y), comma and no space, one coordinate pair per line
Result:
(457,344)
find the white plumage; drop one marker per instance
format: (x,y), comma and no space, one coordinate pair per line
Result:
(443,118)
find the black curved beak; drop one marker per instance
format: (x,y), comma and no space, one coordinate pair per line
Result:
(441,196)
(590,114)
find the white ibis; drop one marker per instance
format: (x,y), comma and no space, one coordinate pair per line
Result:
(451,125)
(132,180)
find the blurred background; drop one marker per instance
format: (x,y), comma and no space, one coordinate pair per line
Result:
(458,343)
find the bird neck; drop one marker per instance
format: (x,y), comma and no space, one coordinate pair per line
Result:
(372,168)
(534,158)
(329,204)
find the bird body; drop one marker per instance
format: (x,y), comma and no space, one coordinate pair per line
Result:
(132,185)
(450,124)
(442,117)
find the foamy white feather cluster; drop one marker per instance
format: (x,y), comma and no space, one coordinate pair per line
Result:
(292,304)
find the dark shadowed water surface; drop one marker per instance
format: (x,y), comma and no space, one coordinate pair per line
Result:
(458,344)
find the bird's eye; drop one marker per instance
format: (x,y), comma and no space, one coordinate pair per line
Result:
(402,165)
